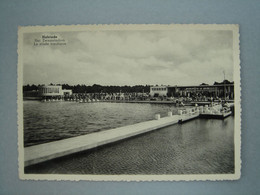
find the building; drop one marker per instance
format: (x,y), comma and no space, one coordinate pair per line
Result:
(156,91)
(222,90)
(53,91)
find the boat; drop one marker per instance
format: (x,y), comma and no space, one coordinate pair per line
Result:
(216,111)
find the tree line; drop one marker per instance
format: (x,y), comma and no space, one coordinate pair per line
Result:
(96,88)
(106,89)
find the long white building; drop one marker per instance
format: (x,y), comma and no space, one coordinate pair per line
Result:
(53,90)
(158,91)
(216,90)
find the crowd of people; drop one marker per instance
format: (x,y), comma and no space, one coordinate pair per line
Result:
(87,97)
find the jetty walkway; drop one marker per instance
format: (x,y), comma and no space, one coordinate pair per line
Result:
(44,152)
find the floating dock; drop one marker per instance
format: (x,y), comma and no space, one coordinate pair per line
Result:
(43,152)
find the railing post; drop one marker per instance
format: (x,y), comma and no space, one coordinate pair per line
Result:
(180,112)
(157,117)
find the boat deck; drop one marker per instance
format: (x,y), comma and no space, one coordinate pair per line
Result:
(216,116)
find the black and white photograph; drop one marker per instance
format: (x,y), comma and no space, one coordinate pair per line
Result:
(129,102)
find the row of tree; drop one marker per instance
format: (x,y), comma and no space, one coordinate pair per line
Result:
(96,88)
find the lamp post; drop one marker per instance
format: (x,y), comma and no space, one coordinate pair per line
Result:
(224,85)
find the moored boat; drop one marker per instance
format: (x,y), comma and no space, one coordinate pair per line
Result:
(217,111)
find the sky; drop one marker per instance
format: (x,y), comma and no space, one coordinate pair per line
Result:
(144,57)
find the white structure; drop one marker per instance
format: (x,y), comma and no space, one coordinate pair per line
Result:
(158,90)
(53,90)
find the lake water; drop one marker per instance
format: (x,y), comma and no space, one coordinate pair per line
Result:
(201,146)
(51,121)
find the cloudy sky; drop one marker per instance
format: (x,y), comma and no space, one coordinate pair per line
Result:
(175,57)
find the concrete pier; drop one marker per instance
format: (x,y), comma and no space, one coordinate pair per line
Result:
(43,152)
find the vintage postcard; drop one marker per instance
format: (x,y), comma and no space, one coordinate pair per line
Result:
(129,102)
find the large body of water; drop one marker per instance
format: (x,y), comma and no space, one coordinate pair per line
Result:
(51,121)
(201,146)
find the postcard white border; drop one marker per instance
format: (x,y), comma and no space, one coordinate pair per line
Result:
(70,28)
